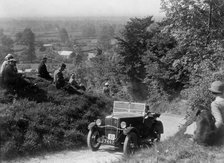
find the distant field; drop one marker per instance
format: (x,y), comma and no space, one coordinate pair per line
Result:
(51,66)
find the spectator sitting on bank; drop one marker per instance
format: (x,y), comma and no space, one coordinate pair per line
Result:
(42,70)
(7,58)
(217,109)
(61,83)
(106,89)
(59,80)
(81,85)
(73,82)
(77,85)
(12,80)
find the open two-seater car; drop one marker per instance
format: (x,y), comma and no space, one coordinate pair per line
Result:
(131,126)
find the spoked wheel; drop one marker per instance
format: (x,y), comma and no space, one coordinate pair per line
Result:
(92,142)
(130,144)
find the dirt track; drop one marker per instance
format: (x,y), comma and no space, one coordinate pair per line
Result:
(105,153)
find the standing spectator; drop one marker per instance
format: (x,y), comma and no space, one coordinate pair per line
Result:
(42,70)
(106,89)
(7,58)
(217,109)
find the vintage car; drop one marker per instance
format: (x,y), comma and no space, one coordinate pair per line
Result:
(131,126)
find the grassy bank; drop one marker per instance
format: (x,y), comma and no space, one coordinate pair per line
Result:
(177,149)
(49,120)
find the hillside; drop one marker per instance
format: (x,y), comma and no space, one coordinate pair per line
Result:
(46,119)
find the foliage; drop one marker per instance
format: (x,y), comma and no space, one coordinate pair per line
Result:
(191,21)
(28,127)
(132,46)
(198,93)
(104,68)
(63,34)
(105,35)
(89,30)
(181,48)
(79,57)
(6,45)
(27,38)
(162,77)
(177,149)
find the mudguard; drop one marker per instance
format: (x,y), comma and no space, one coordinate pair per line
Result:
(92,125)
(159,127)
(127,130)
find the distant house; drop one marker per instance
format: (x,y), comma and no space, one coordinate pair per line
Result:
(91,55)
(113,41)
(94,41)
(65,54)
(48,45)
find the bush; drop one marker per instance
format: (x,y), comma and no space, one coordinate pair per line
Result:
(199,94)
(60,122)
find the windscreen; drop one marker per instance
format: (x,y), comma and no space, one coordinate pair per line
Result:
(129,107)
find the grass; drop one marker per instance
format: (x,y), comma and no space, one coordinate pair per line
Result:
(177,149)
(47,120)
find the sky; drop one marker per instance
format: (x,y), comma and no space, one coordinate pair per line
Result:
(78,8)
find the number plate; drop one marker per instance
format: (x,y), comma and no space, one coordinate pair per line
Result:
(111,136)
(107,141)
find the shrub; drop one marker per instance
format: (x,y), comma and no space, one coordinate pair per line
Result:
(199,94)
(60,122)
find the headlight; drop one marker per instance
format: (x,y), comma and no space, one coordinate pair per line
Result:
(123,124)
(98,122)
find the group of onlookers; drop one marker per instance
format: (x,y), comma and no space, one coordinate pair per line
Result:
(58,79)
(72,85)
(11,79)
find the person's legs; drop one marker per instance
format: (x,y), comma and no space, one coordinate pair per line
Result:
(72,90)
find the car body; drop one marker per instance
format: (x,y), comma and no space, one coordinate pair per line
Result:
(129,126)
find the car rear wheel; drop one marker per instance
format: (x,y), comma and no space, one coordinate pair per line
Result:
(130,144)
(92,140)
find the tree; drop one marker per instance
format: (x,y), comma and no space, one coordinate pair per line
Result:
(105,35)
(193,21)
(63,34)
(18,37)
(28,39)
(197,26)
(132,47)
(79,57)
(89,30)
(104,69)
(166,72)
(6,45)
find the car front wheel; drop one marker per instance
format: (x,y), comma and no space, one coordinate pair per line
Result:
(92,140)
(130,144)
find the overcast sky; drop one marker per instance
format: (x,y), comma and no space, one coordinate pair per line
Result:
(73,8)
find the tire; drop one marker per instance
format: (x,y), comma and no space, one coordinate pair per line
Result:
(130,144)
(92,137)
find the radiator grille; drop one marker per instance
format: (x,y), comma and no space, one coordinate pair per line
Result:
(109,129)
